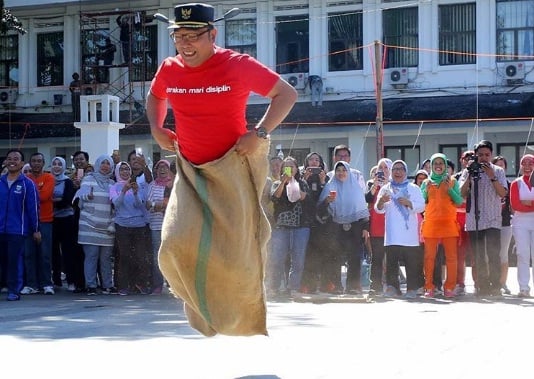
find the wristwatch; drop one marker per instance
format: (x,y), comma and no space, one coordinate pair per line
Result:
(261,132)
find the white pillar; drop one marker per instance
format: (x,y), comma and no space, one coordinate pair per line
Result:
(99,131)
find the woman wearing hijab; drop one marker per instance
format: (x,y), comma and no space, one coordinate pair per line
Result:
(442,195)
(379,179)
(401,201)
(64,253)
(96,231)
(132,233)
(522,202)
(343,197)
(159,191)
(314,174)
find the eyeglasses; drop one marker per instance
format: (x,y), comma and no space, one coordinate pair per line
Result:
(189,37)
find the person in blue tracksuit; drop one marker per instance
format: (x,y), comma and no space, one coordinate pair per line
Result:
(19,219)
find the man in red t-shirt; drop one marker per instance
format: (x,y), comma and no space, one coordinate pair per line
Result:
(38,256)
(208,88)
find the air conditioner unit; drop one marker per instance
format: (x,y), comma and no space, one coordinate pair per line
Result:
(514,71)
(8,96)
(297,80)
(398,76)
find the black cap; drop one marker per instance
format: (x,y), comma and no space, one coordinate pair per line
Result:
(193,15)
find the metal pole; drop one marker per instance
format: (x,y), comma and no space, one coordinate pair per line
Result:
(379,109)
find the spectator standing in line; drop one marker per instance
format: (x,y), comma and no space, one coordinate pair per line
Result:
(64,250)
(292,228)
(485,228)
(96,230)
(401,201)
(522,202)
(81,166)
(442,195)
(140,170)
(376,225)
(506,228)
(159,191)
(343,198)
(19,205)
(132,235)
(38,255)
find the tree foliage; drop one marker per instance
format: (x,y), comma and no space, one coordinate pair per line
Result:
(9,21)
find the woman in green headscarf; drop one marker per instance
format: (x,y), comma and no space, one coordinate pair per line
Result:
(442,195)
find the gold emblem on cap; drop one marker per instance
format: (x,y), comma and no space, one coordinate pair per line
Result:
(186,14)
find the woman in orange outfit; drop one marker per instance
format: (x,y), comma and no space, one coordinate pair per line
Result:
(442,195)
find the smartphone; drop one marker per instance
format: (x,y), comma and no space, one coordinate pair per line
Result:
(315,170)
(287,171)
(79,173)
(380,174)
(139,151)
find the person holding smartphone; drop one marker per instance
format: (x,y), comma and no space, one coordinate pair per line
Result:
(291,230)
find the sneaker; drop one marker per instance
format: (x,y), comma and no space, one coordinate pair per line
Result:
(110,291)
(48,290)
(449,294)
(524,294)
(29,291)
(71,287)
(124,292)
(420,291)
(506,290)
(3,290)
(459,290)
(438,291)
(391,292)
(429,293)
(13,297)
(91,291)
(411,294)
(157,290)
(142,290)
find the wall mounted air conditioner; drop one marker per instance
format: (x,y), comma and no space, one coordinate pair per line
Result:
(297,80)
(8,96)
(398,76)
(514,71)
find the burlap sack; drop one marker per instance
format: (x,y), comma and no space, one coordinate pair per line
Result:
(214,238)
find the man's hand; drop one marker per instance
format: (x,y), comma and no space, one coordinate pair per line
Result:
(248,143)
(164,137)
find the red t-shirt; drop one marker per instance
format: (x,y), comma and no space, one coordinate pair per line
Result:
(45,184)
(209,102)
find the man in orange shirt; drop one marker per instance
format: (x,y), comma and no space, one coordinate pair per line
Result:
(38,256)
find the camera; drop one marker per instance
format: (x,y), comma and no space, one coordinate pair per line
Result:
(474,167)
(380,175)
(315,170)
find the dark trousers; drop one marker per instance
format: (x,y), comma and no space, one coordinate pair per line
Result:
(66,254)
(412,256)
(486,245)
(12,261)
(351,245)
(134,247)
(377,263)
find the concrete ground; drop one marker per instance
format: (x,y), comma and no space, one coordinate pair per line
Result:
(79,336)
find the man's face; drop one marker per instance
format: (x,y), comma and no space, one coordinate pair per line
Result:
(484,155)
(194,45)
(37,164)
(342,155)
(14,162)
(80,161)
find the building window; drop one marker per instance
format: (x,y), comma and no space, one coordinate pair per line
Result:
(240,36)
(144,53)
(292,44)
(409,154)
(93,44)
(457,34)
(512,152)
(515,30)
(9,56)
(453,153)
(345,39)
(401,28)
(50,59)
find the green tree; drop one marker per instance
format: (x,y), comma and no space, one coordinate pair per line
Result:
(9,21)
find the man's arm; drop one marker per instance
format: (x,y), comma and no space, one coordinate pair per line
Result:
(156,112)
(283,96)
